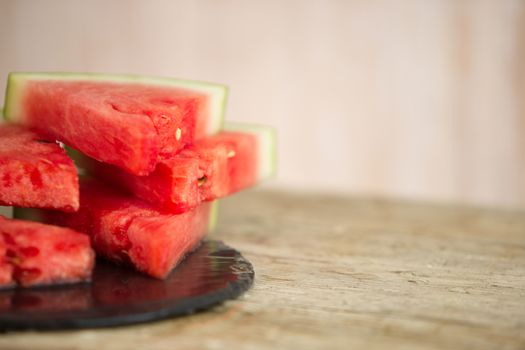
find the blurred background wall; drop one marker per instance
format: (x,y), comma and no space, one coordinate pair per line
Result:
(417,99)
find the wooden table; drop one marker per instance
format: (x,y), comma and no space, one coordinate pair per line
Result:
(342,273)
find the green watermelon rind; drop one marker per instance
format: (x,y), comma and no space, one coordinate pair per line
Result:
(213,216)
(267,138)
(15,84)
(29,214)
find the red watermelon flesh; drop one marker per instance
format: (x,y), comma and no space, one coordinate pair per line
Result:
(126,125)
(212,168)
(35,172)
(229,163)
(6,269)
(173,185)
(127,230)
(129,124)
(44,254)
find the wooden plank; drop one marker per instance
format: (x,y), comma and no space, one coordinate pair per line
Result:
(337,273)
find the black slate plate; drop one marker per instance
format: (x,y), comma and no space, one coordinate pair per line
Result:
(120,296)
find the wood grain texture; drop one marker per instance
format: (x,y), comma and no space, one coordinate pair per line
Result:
(340,273)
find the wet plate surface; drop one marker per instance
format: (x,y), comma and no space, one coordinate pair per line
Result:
(119,296)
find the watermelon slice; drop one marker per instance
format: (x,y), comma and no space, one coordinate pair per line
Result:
(129,121)
(214,167)
(126,230)
(42,254)
(35,172)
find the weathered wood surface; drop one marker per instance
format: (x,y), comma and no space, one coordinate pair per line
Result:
(339,273)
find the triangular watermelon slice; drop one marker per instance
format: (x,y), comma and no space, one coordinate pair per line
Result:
(128,121)
(238,157)
(35,172)
(127,230)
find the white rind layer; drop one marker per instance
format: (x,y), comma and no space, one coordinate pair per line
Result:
(217,93)
(267,141)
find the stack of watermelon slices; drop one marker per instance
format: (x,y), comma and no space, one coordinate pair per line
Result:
(154,155)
